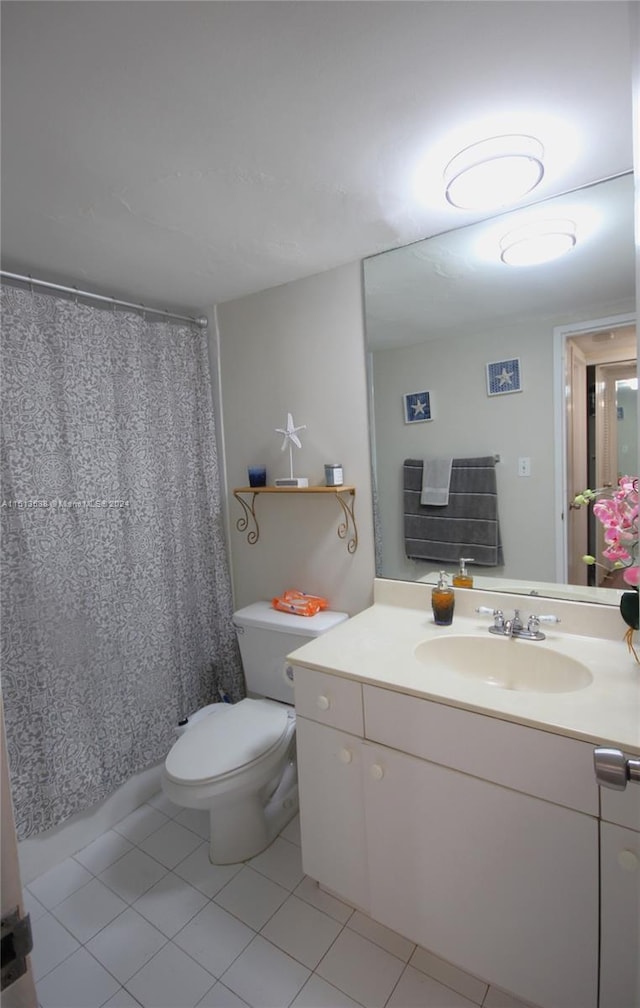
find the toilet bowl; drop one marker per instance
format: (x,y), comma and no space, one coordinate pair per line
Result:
(238,760)
(239,763)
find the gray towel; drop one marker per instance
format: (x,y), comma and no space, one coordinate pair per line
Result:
(436,477)
(467,526)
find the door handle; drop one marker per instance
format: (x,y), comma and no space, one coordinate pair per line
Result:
(613,769)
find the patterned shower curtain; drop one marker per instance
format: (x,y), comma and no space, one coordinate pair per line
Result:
(115,596)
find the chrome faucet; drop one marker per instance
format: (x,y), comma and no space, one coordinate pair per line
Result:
(514,627)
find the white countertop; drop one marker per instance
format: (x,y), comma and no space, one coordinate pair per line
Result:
(377,647)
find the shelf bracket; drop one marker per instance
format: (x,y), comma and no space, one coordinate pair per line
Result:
(345,495)
(248,520)
(348,508)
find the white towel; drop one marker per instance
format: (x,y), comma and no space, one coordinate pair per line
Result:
(436,476)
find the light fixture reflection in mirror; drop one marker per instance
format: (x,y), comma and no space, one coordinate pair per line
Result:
(540,242)
(438,311)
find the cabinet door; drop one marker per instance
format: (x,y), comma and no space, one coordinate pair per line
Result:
(620,909)
(501,884)
(332,810)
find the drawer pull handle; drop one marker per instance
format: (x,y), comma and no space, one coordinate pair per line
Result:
(628,861)
(346,755)
(613,769)
(377,772)
(323,703)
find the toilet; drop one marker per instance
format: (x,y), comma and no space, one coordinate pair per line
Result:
(239,760)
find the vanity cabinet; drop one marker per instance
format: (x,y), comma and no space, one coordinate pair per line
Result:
(471,836)
(332,820)
(620,898)
(329,729)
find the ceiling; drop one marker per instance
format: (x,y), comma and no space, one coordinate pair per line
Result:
(187,153)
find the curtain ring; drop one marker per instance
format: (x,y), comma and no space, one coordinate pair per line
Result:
(75,296)
(30,284)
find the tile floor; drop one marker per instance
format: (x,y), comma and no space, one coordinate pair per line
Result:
(141,918)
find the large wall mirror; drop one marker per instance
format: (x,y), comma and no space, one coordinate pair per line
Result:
(440,312)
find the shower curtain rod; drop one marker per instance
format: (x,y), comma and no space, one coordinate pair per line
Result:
(201,320)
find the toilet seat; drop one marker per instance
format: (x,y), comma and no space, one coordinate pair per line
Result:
(230,738)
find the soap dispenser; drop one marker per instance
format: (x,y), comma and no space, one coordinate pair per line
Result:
(463,578)
(442,601)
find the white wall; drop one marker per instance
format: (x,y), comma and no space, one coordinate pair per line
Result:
(298,348)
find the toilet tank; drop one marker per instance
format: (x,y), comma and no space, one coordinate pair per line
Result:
(266,636)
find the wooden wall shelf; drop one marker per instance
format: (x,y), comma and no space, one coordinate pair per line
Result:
(344,495)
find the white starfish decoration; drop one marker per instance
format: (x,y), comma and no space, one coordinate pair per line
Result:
(419,407)
(290,438)
(505,377)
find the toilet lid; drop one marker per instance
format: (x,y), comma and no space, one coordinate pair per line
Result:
(226,740)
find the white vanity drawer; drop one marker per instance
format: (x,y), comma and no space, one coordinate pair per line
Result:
(535,762)
(328,699)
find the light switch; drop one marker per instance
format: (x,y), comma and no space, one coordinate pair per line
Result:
(524,466)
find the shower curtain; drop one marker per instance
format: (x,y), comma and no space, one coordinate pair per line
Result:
(115,593)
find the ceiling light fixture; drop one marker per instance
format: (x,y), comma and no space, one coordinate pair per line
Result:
(494,172)
(539,242)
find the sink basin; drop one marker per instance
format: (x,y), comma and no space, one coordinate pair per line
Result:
(505,663)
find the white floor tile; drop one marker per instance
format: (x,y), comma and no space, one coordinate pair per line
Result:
(169,980)
(103,851)
(214,938)
(291,832)
(417,990)
(32,905)
(221,997)
(52,944)
(170,844)
(140,823)
(89,909)
(126,944)
(281,862)
(265,977)
(251,897)
(382,936)
(197,820)
(56,884)
(79,982)
(208,878)
(361,969)
(133,874)
(317,993)
(122,999)
(464,983)
(310,892)
(302,931)
(170,904)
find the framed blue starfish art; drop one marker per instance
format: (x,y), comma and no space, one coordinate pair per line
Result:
(504,376)
(417,407)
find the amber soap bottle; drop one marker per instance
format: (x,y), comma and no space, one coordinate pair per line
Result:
(442,601)
(463,578)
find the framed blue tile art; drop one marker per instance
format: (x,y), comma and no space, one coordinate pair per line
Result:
(417,407)
(504,376)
